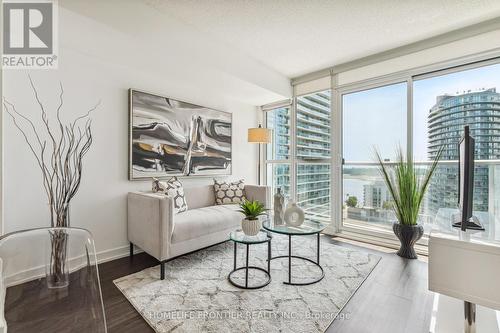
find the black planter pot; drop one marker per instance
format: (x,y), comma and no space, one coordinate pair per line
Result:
(408,235)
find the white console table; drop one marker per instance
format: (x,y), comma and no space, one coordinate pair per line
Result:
(466,265)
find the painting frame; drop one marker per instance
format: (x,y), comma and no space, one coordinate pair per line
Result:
(133,177)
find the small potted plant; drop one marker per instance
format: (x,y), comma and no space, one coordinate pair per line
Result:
(252,210)
(407,188)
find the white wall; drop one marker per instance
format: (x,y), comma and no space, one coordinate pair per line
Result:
(90,72)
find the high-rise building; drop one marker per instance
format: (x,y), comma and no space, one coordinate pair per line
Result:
(279,174)
(279,121)
(312,145)
(447,118)
(313,126)
(376,195)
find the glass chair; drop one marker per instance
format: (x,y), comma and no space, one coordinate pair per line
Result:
(49,282)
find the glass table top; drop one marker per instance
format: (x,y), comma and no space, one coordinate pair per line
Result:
(239,236)
(306,228)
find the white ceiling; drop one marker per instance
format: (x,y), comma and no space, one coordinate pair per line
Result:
(295,37)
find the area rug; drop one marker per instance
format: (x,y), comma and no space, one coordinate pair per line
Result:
(196,296)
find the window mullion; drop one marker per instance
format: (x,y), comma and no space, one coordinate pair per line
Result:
(293,149)
(336,166)
(409,117)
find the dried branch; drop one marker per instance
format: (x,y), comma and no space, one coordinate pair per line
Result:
(59,154)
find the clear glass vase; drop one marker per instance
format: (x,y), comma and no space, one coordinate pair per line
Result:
(57,269)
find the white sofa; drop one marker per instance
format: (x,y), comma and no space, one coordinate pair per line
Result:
(156,229)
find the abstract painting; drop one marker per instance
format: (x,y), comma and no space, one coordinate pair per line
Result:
(169,137)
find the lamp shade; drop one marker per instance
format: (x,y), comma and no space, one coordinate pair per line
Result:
(259,135)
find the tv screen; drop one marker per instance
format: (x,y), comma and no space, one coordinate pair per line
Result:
(466,183)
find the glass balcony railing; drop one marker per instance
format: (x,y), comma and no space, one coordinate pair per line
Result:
(371,202)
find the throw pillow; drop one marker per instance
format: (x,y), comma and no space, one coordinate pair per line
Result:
(229,193)
(158,186)
(173,189)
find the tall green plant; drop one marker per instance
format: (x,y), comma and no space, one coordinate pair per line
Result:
(405,185)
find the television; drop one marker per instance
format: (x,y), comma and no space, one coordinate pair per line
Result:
(466,183)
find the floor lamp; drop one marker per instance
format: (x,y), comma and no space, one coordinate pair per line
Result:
(259,135)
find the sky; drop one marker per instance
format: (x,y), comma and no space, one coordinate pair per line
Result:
(374,118)
(377,117)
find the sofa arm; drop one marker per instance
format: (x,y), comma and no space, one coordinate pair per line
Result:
(260,193)
(150,222)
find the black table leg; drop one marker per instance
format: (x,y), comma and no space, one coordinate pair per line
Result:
(289,258)
(318,251)
(235,247)
(247,267)
(269,257)
(246,271)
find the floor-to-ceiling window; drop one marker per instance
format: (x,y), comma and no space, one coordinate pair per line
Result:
(372,119)
(299,159)
(416,111)
(443,102)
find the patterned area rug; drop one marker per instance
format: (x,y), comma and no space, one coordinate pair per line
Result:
(196,296)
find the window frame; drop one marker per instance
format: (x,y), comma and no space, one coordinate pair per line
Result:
(266,162)
(386,236)
(293,161)
(372,235)
(355,88)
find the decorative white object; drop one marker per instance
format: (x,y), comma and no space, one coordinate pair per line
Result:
(279,208)
(251,227)
(294,215)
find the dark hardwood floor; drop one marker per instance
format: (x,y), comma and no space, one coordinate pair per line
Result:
(394,298)
(120,314)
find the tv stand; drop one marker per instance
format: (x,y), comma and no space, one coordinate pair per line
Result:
(472,224)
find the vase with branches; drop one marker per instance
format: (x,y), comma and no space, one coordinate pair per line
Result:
(59,148)
(407,185)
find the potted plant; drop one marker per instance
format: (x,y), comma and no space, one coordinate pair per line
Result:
(407,188)
(252,210)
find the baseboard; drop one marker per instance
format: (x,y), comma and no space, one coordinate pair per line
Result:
(116,253)
(39,271)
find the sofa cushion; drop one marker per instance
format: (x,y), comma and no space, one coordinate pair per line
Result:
(229,193)
(200,196)
(202,221)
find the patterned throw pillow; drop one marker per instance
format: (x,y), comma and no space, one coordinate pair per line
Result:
(158,186)
(172,189)
(229,193)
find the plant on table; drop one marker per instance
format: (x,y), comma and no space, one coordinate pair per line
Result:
(252,209)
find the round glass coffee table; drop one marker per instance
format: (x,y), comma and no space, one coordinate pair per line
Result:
(239,237)
(306,228)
